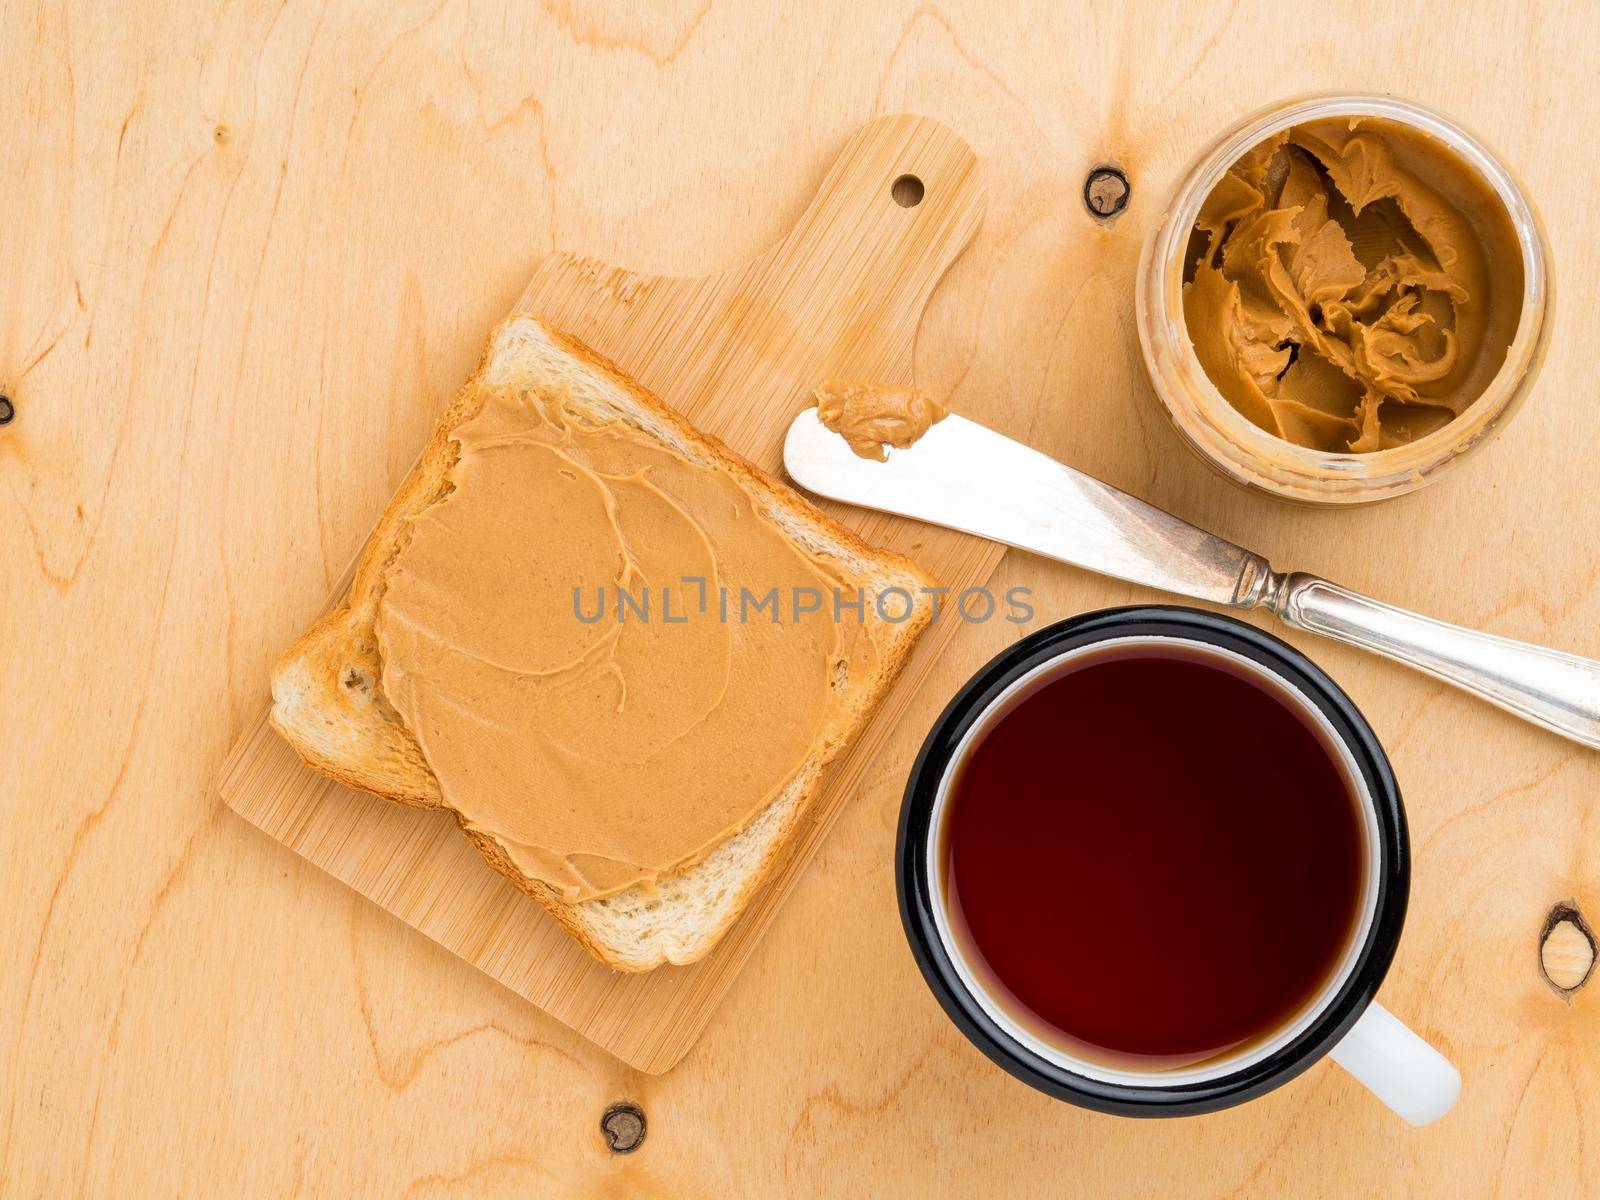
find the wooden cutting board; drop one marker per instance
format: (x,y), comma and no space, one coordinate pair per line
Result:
(738,352)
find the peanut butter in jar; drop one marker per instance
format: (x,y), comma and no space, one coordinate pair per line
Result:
(1345,295)
(1355,285)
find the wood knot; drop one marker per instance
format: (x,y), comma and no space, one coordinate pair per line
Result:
(623,1126)
(1566,950)
(7,410)
(1106,192)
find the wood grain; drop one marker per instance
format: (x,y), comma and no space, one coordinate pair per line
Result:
(250,250)
(738,352)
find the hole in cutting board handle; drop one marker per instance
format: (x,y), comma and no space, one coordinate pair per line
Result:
(906,191)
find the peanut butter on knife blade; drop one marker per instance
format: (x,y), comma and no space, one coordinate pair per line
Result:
(873,416)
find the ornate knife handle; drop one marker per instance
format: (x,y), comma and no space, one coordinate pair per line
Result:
(1550,688)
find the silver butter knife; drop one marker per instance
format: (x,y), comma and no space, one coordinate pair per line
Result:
(966,477)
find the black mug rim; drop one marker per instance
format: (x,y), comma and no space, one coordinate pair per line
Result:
(917,900)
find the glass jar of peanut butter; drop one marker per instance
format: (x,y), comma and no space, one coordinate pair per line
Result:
(1345,295)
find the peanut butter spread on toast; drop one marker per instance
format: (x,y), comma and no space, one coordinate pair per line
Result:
(598,746)
(1354,285)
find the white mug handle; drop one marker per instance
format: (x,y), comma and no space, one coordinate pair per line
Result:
(1398,1067)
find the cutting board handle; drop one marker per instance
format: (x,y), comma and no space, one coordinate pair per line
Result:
(841,294)
(900,204)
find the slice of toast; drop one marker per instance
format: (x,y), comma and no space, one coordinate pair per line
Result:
(329,703)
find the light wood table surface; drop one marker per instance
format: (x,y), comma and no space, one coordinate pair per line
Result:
(248,251)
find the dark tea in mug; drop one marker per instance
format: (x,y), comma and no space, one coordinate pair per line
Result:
(1153,856)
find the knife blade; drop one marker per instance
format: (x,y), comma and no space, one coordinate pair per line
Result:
(964,476)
